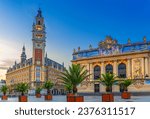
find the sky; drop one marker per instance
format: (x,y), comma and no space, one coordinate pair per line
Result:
(69,24)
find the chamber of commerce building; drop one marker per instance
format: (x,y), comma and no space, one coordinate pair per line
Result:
(39,68)
(127,61)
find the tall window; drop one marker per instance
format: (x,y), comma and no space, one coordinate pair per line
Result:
(38,73)
(109,68)
(122,70)
(97,72)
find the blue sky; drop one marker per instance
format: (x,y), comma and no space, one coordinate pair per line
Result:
(69,24)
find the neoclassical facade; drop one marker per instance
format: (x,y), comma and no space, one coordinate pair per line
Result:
(131,60)
(39,68)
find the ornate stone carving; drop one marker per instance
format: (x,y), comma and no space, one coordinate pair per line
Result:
(137,68)
(74,50)
(109,46)
(144,39)
(129,41)
(139,83)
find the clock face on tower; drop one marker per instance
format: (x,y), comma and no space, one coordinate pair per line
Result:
(38,45)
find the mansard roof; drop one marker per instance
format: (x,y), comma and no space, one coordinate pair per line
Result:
(28,62)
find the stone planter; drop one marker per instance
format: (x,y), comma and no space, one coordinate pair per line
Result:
(38,95)
(48,97)
(4,97)
(75,98)
(70,94)
(107,97)
(23,98)
(126,95)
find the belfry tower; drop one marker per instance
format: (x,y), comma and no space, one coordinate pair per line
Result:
(38,39)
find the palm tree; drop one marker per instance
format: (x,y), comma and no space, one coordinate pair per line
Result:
(22,87)
(126,83)
(69,87)
(48,85)
(4,89)
(38,90)
(74,76)
(108,80)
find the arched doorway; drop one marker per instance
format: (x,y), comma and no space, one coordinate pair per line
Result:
(122,70)
(109,68)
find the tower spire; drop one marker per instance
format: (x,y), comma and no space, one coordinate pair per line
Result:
(46,55)
(39,13)
(23,55)
(38,39)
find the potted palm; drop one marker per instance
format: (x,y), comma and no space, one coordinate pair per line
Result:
(4,89)
(69,89)
(125,94)
(74,76)
(48,85)
(38,92)
(108,80)
(22,88)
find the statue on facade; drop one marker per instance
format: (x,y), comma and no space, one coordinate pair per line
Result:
(90,46)
(129,41)
(144,39)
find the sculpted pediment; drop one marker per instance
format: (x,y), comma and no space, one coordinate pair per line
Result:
(109,46)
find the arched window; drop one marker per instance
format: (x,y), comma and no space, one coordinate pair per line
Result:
(122,70)
(97,72)
(109,68)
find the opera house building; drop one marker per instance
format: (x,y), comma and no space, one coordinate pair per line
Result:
(126,61)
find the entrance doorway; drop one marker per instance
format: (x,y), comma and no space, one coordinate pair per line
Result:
(96,88)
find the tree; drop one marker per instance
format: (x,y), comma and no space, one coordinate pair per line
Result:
(74,76)
(108,80)
(4,89)
(126,83)
(68,87)
(48,85)
(22,87)
(38,90)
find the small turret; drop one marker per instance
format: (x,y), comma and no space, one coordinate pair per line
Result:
(23,55)
(144,39)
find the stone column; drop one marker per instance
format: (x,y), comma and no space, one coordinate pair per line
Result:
(129,68)
(115,68)
(91,71)
(103,68)
(143,67)
(146,66)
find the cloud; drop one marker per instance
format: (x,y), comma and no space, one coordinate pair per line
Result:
(3,68)
(5,64)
